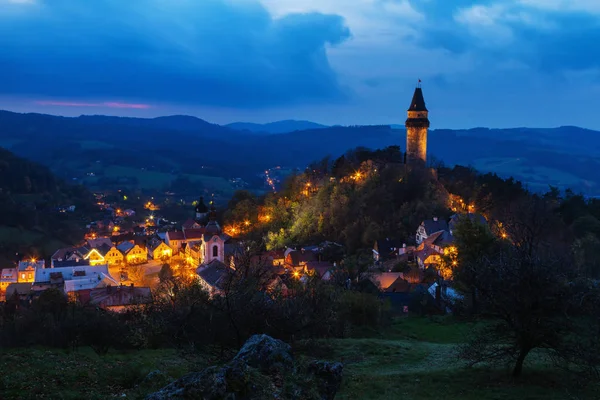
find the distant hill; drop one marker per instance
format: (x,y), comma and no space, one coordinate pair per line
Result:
(30,196)
(275,127)
(187,147)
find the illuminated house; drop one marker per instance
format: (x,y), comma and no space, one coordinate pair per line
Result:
(95,257)
(26,270)
(157,250)
(8,276)
(114,257)
(429,253)
(429,227)
(136,255)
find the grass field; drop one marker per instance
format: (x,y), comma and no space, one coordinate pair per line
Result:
(159,180)
(414,359)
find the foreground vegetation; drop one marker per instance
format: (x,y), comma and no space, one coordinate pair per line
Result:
(415,358)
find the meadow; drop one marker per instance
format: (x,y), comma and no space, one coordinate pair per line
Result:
(415,358)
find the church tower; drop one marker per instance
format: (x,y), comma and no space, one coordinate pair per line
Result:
(417,125)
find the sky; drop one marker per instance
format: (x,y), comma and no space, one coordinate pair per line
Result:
(493,63)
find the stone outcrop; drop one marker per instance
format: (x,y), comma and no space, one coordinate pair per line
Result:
(264,368)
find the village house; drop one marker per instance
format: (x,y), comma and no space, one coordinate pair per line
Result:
(298,258)
(8,276)
(157,250)
(114,257)
(429,227)
(22,290)
(213,276)
(68,254)
(429,253)
(175,240)
(26,270)
(136,255)
(72,279)
(116,298)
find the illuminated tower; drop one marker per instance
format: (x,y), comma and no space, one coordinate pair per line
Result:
(417,125)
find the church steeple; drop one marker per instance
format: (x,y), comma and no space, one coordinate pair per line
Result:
(417,125)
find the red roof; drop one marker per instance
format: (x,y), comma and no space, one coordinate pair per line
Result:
(176,235)
(193,234)
(190,223)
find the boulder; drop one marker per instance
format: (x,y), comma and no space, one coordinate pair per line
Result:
(269,355)
(263,369)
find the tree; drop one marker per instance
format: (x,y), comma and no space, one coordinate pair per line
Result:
(526,296)
(165,273)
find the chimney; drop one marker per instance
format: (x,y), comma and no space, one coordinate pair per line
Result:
(131,287)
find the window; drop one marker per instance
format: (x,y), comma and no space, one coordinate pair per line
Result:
(22,276)
(215,251)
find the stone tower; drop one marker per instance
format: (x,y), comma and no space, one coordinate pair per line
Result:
(417,125)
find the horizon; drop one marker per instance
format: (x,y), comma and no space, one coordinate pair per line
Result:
(225,124)
(323,61)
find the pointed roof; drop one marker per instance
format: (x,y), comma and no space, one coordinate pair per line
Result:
(201,207)
(418,102)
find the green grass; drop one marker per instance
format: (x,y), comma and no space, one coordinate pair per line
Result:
(38,373)
(159,180)
(414,359)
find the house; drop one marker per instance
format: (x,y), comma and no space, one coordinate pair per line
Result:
(114,257)
(70,263)
(95,243)
(193,252)
(72,278)
(299,258)
(322,269)
(136,255)
(96,256)
(157,250)
(191,224)
(68,254)
(175,240)
(386,249)
(22,290)
(119,298)
(430,251)
(278,257)
(383,280)
(213,276)
(429,227)
(8,276)
(26,270)
(129,212)
(445,296)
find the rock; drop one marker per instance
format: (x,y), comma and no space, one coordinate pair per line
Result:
(269,355)
(328,376)
(262,370)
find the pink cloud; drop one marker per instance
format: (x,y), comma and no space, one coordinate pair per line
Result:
(109,104)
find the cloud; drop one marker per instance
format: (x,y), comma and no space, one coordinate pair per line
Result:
(548,35)
(204,52)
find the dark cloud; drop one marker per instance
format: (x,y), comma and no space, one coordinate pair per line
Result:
(206,52)
(548,40)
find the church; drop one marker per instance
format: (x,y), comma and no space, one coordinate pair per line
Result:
(201,240)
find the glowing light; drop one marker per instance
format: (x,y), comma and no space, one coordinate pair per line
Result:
(247,223)
(118,211)
(504,235)
(296,274)
(33,260)
(151,216)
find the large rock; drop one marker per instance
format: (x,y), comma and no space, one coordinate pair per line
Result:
(263,369)
(269,355)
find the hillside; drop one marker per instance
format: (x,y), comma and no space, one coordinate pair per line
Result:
(153,153)
(30,196)
(276,127)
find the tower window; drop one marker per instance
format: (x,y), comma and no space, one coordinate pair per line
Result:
(215,251)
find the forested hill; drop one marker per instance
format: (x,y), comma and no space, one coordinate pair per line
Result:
(31,224)
(565,157)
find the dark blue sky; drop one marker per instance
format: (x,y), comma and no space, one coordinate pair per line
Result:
(497,63)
